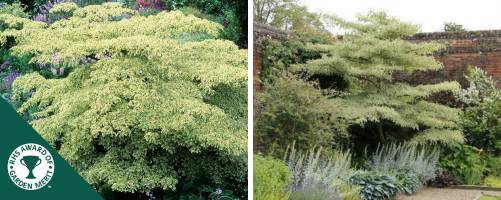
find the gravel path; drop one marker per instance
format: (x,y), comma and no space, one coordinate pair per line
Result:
(447,194)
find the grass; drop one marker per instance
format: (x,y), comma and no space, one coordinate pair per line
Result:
(489,198)
(493,181)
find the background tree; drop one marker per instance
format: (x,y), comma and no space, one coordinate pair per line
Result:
(453,27)
(143,100)
(289,15)
(265,10)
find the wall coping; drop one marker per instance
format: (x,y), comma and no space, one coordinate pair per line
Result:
(263,31)
(482,41)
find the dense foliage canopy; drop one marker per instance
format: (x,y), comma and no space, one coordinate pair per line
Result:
(146,99)
(291,110)
(359,71)
(232,14)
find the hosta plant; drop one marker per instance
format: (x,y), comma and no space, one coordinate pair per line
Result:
(376,186)
(146,99)
(408,182)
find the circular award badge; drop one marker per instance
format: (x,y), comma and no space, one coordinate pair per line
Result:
(30,166)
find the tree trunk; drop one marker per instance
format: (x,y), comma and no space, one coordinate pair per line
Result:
(380,131)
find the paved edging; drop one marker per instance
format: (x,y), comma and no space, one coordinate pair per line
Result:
(448,194)
(483,195)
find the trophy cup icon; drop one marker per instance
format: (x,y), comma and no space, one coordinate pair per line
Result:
(30,162)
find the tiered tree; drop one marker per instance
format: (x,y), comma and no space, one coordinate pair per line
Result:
(144,103)
(358,73)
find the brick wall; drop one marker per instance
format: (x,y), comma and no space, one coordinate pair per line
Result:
(471,48)
(262,32)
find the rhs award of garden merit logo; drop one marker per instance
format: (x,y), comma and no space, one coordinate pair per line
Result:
(30,166)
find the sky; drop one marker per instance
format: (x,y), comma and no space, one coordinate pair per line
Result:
(430,14)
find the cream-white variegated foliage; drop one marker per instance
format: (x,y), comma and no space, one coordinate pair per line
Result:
(148,100)
(367,58)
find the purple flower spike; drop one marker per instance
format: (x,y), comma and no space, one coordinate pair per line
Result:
(40,18)
(5,65)
(159,5)
(226,22)
(43,11)
(9,79)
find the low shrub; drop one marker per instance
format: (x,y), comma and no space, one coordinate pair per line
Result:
(466,162)
(291,110)
(481,112)
(445,179)
(271,177)
(494,166)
